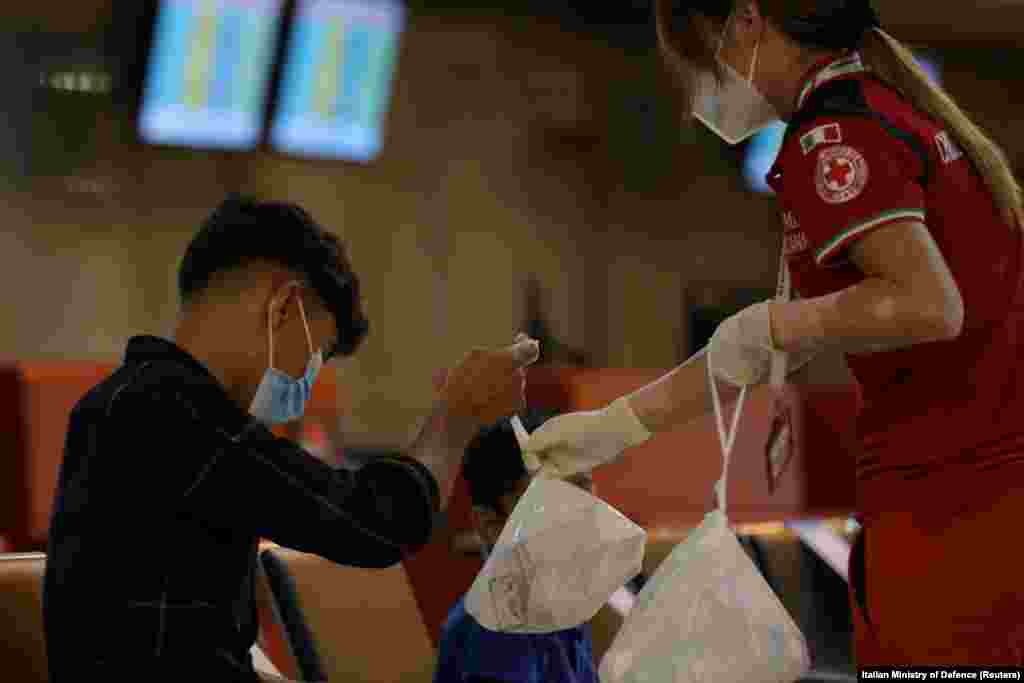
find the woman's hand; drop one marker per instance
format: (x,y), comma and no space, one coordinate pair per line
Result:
(579,442)
(741,350)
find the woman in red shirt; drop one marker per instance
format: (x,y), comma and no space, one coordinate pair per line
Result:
(902,234)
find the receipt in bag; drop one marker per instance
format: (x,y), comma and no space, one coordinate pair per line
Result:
(707,615)
(560,557)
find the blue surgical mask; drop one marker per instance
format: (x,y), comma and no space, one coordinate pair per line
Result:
(279,397)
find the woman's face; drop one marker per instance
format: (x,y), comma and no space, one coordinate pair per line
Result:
(735,43)
(752,47)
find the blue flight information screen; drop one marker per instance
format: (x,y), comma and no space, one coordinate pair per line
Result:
(209,73)
(761,153)
(337,79)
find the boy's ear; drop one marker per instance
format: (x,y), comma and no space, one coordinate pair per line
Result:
(488,523)
(482,516)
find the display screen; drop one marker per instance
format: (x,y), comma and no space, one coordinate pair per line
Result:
(764,147)
(209,73)
(761,152)
(337,79)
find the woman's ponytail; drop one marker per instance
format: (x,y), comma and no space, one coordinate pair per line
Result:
(894,63)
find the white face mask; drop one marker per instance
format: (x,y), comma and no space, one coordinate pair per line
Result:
(733,109)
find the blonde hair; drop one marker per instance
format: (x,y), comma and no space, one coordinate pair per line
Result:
(685,49)
(894,63)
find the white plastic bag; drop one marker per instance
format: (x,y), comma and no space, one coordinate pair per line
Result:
(707,615)
(560,557)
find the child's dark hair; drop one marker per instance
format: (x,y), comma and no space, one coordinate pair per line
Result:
(242,230)
(493,464)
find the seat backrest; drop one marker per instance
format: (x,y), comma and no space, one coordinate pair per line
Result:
(36,400)
(272,638)
(22,641)
(365,624)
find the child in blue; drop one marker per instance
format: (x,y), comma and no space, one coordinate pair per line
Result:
(469,653)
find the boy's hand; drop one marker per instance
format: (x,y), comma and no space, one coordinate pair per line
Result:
(487,385)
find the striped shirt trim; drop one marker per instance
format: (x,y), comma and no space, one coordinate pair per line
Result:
(838,242)
(849,64)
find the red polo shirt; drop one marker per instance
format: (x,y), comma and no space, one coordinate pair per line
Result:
(932,405)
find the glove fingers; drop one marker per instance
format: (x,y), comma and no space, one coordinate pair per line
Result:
(546,438)
(523,351)
(560,464)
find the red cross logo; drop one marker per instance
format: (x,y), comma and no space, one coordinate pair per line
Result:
(842,174)
(838,174)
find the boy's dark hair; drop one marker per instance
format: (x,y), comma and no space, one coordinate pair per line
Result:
(242,230)
(493,463)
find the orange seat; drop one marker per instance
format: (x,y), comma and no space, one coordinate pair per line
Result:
(22,640)
(349,624)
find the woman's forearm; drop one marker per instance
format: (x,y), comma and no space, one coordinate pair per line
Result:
(684,394)
(870,316)
(873,315)
(674,398)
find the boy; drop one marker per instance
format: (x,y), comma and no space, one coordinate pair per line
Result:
(173,450)
(469,653)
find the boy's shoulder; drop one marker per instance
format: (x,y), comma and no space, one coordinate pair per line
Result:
(475,652)
(458,618)
(519,657)
(461,629)
(461,621)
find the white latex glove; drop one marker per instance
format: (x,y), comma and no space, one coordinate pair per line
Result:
(741,349)
(579,442)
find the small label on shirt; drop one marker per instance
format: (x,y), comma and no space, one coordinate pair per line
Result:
(794,240)
(794,243)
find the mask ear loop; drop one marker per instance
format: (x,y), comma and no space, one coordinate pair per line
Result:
(757,48)
(309,337)
(270,332)
(270,337)
(721,37)
(753,63)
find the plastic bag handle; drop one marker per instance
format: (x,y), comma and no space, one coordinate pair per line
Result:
(783,294)
(727,439)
